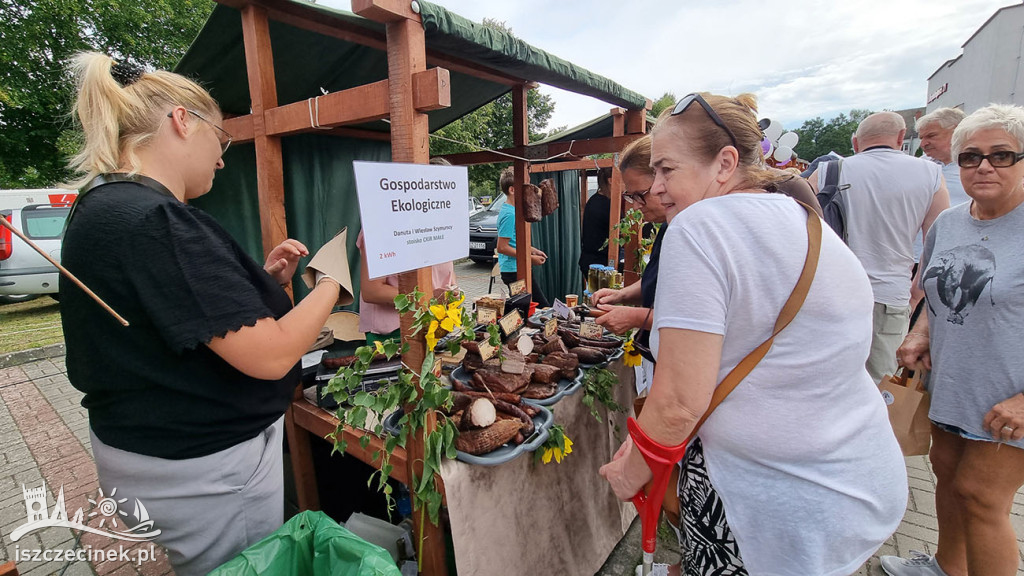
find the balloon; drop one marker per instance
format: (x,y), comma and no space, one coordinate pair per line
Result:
(783,154)
(783,164)
(766,146)
(771,148)
(773,131)
(763,124)
(789,139)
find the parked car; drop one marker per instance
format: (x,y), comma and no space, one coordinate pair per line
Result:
(24,274)
(483,232)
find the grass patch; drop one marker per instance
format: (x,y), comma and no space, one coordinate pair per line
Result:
(31,324)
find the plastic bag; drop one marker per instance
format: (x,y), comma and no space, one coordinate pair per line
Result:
(311,543)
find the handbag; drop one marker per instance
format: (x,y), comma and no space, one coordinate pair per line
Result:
(908,402)
(670,503)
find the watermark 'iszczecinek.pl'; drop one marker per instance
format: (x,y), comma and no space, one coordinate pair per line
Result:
(88,554)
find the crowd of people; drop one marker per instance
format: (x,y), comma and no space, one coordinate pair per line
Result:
(796,472)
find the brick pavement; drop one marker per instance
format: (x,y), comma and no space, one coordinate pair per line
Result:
(44,437)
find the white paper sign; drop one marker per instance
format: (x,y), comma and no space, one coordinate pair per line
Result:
(414,215)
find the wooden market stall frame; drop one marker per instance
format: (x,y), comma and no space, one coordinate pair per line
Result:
(409,92)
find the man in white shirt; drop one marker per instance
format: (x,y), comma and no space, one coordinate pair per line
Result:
(936,132)
(891,197)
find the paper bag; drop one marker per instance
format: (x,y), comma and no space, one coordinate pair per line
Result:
(908,405)
(332,259)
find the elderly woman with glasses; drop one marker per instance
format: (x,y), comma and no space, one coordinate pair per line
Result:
(631,306)
(797,471)
(970,339)
(186,403)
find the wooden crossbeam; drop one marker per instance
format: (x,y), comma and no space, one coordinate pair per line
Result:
(588,164)
(543,151)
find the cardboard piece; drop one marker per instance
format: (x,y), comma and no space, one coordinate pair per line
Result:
(516,288)
(487,351)
(332,260)
(563,311)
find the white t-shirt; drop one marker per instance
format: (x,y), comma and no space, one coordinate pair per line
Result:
(801,453)
(889,196)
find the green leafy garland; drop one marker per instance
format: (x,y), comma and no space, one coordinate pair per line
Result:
(598,386)
(421,401)
(632,221)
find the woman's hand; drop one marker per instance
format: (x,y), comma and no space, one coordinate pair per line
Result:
(619,319)
(915,352)
(283,259)
(1006,420)
(606,296)
(627,473)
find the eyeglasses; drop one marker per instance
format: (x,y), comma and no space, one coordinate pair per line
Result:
(1000,159)
(683,104)
(224,136)
(636,197)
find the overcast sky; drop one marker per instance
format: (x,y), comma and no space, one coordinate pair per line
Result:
(802,58)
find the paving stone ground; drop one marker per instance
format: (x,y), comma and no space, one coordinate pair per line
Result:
(44,437)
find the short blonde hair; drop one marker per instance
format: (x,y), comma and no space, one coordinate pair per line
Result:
(117,119)
(708,138)
(637,156)
(1005,117)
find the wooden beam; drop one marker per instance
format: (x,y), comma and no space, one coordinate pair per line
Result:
(240,128)
(636,120)
(588,164)
(353,106)
(259,62)
(321,423)
(431,89)
(386,10)
(521,137)
(615,213)
(542,152)
(406,49)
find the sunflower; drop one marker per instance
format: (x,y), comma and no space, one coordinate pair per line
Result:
(632,355)
(447,318)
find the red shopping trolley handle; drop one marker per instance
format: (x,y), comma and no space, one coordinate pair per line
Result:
(660,459)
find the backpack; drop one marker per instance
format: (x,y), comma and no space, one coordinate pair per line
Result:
(832,197)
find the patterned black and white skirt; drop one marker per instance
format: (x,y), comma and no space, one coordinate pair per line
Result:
(707,544)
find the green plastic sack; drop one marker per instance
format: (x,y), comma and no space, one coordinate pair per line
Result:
(311,544)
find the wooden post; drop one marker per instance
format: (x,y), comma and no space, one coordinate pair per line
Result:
(583,195)
(406,49)
(259,61)
(615,214)
(521,137)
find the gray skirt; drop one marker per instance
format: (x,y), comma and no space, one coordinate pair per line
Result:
(207,509)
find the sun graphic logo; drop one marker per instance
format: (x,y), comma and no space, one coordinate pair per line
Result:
(107,508)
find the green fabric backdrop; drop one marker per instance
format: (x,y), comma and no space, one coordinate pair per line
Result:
(558,235)
(320,195)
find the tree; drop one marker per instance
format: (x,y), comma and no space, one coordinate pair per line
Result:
(819,137)
(490,127)
(667,100)
(37,40)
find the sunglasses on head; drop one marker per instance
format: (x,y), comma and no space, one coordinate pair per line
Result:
(1000,159)
(683,104)
(636,197)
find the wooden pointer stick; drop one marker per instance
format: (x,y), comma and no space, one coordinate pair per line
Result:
(64,271)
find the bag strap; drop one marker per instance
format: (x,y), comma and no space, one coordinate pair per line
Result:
(833,170)
(789,311)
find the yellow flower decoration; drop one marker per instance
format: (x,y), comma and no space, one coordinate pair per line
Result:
(556,452)
(632,356)
(378,347)
(431,335)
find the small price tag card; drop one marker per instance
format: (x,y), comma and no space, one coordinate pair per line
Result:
(486,315)
(591,330)
(518,287)
(487,351)
(551,327)
(511,322)
(562,310)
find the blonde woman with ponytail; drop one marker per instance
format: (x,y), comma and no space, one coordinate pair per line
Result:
(797,471)
(186,404)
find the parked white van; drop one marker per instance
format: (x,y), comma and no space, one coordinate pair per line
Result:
(40,216)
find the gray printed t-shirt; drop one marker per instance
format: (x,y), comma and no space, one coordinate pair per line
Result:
(974,284)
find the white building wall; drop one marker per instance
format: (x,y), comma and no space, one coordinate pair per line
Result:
(988,71)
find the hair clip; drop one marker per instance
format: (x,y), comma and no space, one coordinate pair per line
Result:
(126,73)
